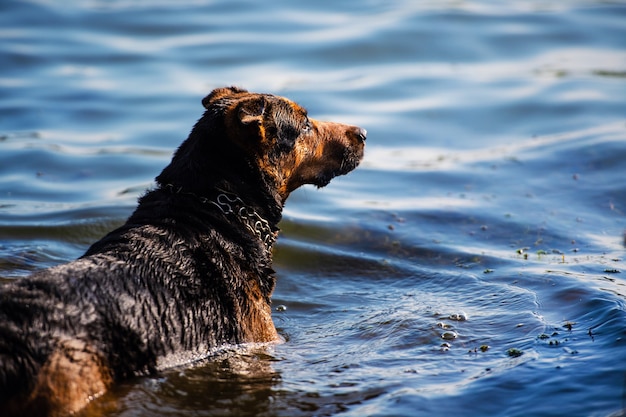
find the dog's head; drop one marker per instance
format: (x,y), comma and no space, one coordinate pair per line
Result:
(279,137)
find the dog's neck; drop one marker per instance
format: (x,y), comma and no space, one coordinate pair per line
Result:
(231,206)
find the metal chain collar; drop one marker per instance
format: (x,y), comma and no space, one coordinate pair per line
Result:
(230,204)
(233,205)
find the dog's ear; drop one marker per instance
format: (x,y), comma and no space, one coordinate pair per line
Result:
(251,112)
(219,93)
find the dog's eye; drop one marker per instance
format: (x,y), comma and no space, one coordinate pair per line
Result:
(307,127)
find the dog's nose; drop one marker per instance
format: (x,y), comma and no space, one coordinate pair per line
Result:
(361,134)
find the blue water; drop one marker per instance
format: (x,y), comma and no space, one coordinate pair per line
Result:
(473,265)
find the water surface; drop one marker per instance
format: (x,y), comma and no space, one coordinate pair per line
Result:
(473,264)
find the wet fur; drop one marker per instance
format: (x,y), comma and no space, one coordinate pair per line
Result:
(180,277)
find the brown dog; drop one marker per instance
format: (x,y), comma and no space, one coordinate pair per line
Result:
(189,271)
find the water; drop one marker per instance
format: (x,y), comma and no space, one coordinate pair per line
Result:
(474,263)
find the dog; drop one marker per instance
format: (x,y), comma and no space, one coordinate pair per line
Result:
(188,272)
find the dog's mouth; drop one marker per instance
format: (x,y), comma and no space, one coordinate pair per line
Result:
(324,178)
(340,159)
(352,158)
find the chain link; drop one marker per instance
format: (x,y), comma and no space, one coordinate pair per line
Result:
(233,205)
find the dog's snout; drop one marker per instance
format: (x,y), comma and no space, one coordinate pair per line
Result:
(360,133)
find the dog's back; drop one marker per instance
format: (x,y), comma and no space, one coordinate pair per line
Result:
(139,296)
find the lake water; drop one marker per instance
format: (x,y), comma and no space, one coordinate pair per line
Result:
(472,266)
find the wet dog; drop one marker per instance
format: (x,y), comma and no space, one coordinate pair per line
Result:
(189,271)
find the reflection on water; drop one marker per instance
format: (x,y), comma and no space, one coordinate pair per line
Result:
(239,378)
(473,264)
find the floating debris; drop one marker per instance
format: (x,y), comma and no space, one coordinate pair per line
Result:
(458,316)
(514,353)
(482,348)
(449,335)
